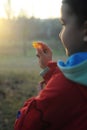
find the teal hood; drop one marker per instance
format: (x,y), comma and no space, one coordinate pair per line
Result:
(75,68)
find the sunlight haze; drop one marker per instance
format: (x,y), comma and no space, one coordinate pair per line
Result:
(38,8)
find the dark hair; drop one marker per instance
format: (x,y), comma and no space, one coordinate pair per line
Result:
(79,8)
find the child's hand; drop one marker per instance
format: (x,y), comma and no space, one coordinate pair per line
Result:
(44,54)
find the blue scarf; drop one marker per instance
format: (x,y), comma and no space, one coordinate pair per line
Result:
(74,59)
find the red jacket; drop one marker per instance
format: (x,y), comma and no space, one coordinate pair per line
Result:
(61,105)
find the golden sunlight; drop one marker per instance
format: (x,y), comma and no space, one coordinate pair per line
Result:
(2,9)
(37,8)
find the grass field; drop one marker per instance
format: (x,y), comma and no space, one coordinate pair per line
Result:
(19,77)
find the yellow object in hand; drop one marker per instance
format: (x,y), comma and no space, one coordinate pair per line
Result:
(37,44)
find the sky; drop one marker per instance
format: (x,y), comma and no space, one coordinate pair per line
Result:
(38,8)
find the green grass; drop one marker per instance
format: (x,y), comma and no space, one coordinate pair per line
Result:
(15,88)
(19,77)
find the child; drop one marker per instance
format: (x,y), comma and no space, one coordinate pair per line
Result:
(62,104)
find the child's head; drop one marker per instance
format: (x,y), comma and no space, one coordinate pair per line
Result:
(74,31)
(79,8)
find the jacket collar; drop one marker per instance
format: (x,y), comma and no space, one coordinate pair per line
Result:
(75,68)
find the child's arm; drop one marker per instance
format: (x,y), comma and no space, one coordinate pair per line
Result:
(30,117)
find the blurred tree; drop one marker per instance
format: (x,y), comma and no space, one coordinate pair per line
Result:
(24,29)
(8,9)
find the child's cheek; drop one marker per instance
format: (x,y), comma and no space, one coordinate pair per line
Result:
(63,36)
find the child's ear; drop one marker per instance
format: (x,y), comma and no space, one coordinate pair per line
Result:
(85,39)
(85,32)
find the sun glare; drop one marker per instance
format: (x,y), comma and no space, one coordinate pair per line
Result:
(2,13)
(37,8)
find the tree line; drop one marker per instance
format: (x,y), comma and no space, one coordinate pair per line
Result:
(25,29)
